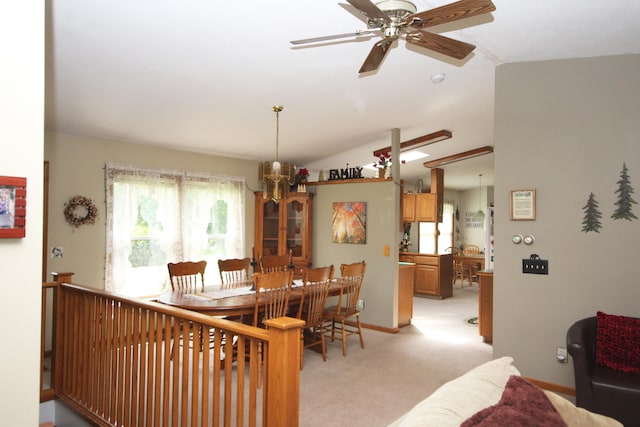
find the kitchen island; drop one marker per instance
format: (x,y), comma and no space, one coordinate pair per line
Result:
(433,274)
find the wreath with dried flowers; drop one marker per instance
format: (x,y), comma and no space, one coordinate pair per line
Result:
(80,210)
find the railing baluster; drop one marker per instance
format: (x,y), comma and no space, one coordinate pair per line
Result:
(121,361)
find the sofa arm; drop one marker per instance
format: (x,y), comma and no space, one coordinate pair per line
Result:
(581,344)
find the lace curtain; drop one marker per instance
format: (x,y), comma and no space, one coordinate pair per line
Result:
(159,216)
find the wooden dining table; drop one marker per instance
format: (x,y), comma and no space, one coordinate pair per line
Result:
(214,301)
(479,259)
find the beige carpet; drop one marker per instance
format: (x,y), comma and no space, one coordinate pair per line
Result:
(374,386)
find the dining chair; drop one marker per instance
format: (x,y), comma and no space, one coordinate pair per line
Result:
(187,275)
(335,317)
(269,263)
(469,270)
(234,272)
(453,250)
(315,288)
(458,269)
(471,250)
(271,301)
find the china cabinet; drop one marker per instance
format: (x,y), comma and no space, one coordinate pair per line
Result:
(284,228)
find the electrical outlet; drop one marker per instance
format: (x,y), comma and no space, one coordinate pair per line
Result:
(360,304)
(561,355)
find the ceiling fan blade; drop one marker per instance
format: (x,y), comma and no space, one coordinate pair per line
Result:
(335,36)
(376,55)
(441,44)
(450,12)
(370,10)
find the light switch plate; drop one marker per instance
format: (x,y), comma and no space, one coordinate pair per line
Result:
(535,266)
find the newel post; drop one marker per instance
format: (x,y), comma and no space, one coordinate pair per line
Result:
(283,372)
(58,312)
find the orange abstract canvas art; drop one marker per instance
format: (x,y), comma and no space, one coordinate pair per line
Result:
(349,222)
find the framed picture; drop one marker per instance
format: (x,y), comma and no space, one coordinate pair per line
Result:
(349,222)
(13,207)
(523,205)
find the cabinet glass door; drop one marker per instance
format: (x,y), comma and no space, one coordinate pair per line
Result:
(270,221)
(295,224)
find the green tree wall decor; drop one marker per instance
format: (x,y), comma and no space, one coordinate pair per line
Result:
(625,200)
(592,215)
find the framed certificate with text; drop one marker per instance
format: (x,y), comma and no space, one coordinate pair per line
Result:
(523,205)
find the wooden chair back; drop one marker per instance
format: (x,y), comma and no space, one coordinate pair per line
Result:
(315,288)
(471,250)
(453,250)
(234,272)
(458,269)
(187,275)
(269,263)
(272,295)
(351,279)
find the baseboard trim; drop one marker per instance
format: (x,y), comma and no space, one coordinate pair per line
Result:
(556,388)
(373,327)
(379,328)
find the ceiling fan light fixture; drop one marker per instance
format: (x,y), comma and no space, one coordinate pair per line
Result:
(400,9)
(398,18)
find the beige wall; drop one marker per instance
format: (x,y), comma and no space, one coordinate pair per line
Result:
(564,128)
(21,123)
(77,167)
(379,289)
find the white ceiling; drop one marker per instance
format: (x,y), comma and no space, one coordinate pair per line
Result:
(203,75)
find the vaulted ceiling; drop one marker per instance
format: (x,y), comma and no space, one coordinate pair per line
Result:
(203,75)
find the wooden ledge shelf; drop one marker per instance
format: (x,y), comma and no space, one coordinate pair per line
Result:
(349,181)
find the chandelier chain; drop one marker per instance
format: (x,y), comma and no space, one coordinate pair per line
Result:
(277,109)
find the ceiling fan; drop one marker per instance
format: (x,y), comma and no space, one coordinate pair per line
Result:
(396,18)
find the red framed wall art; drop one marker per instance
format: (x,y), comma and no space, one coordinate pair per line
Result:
(13,207)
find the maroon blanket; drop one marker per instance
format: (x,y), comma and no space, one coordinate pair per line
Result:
(522,405)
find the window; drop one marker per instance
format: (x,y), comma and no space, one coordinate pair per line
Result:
(427,231)
(157,216)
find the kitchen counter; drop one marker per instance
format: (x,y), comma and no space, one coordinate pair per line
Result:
(433,274)
(405,292)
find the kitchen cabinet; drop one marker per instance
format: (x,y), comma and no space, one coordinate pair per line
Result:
(405,293)
(422,207)
(433,274)
(284,228)
(485,305)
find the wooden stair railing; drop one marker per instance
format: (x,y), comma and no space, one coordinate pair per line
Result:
(113,363)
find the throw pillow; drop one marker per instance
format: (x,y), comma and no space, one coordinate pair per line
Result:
(618,342)
(522,405)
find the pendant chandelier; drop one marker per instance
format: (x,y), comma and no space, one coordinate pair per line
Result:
(276,177)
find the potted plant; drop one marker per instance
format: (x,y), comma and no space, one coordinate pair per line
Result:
(382,164)
(302,175)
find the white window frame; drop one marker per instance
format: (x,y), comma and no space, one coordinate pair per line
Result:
(426,232)
(182,210)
